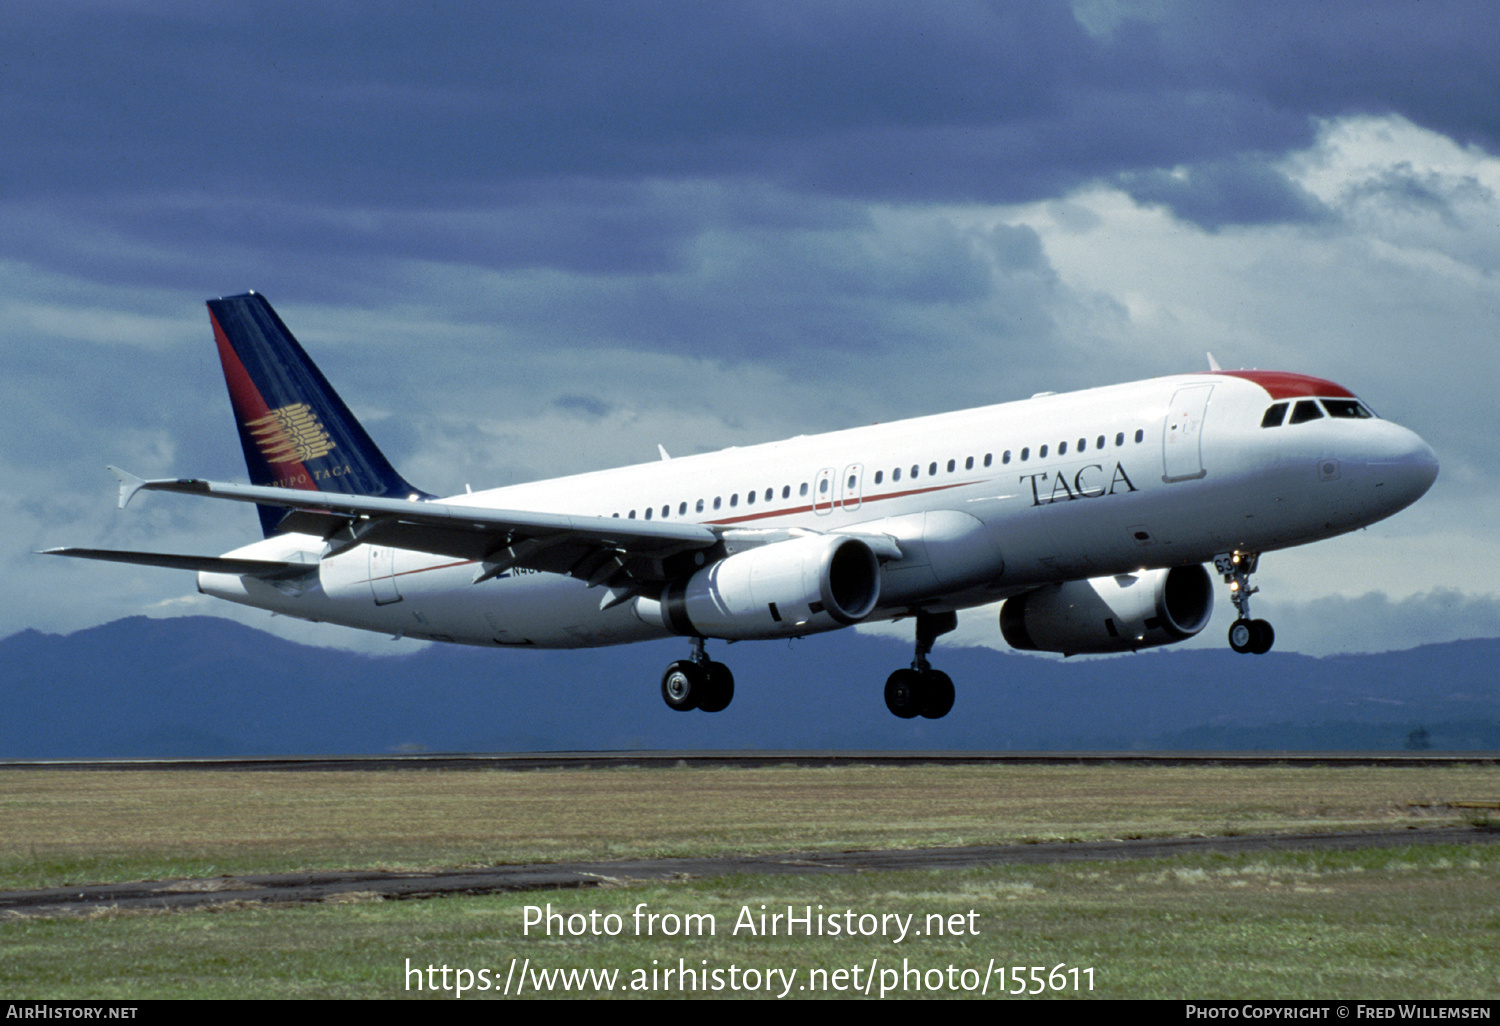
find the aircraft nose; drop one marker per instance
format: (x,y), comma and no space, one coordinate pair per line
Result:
(1404,467)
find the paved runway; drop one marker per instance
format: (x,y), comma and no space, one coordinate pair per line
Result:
(180,895)
(751,758)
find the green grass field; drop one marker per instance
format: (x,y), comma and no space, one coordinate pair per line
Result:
(1420,921)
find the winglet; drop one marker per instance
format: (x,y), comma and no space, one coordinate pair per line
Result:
(1213,365)
(129,484)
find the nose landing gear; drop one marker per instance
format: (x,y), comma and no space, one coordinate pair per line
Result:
(1245,634)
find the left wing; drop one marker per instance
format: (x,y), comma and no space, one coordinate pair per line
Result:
(623,554)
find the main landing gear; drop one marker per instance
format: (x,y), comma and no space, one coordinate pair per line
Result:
(921,690)
(697,683)
(1245,634)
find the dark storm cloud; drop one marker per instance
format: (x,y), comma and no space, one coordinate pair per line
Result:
(1432,63)
(1240,190)
(360,104)
(331,99)
(588,406)
(1402,187)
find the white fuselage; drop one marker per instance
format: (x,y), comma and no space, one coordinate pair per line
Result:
(983,504)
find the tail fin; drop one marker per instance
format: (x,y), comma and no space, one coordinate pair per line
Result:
(295,430)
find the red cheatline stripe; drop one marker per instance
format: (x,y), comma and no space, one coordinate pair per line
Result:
(865,500)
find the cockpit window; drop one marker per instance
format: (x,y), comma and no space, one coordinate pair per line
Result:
(1274,415)
(1304,411)
(1351,408)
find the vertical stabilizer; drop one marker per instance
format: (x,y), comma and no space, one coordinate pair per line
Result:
(295,430)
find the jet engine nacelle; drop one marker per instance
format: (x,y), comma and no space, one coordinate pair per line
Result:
(1111,614)
(785,589)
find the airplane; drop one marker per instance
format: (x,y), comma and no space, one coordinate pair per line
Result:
(1091,514)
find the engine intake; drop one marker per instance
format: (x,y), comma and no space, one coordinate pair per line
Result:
(1111,614)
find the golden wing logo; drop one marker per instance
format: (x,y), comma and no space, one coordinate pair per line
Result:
(290,434)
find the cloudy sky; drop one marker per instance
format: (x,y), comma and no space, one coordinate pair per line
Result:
(531,239)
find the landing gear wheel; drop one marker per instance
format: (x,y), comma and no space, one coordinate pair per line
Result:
(718,690)
(939,699)
(683,685)
(1253,636)
(1263,637)
(904,694)
(1242,635)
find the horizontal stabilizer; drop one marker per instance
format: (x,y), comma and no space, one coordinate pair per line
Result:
(264,568)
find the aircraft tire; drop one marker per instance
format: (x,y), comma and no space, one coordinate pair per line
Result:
(904,693)
(1242,634)
(682,686)
(718,689)
(939,695)
(1263,637)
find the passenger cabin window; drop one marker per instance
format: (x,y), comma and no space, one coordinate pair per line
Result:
(786,491)
(1140,436)
(989,458)
(750,498)
(1062,448)
(717,501)
(1120,438)
(896,474)
(951,466)
(699,507)
(969,463)
(682,509)
(1025,453)
(1041,453)
(770,494)
(932,470)
(879,476)
(1304,411)
(1099,443)
(1274,415)
(803,490)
